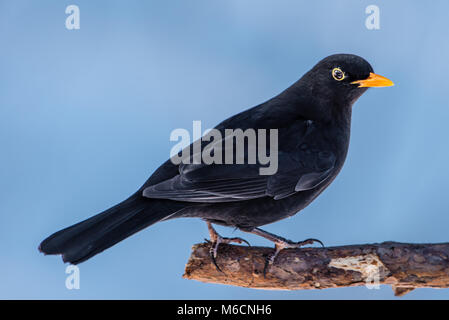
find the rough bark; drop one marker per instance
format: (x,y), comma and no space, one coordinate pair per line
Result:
(403,266)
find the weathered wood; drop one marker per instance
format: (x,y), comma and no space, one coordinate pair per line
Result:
(403,266)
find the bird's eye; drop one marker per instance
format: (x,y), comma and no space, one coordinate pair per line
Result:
(338,74)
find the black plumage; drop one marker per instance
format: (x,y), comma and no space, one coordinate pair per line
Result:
(313,119)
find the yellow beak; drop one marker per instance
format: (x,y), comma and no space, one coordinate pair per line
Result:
(374,80)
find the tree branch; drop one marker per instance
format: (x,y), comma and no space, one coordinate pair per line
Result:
(403,266)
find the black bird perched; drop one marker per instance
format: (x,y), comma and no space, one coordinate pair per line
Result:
(313,118)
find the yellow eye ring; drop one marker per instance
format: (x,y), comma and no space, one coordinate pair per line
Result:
(338,74)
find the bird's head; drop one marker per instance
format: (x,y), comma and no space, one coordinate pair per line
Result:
(341,79)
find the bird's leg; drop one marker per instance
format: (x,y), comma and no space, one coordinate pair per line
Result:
(279,244)
(216,239)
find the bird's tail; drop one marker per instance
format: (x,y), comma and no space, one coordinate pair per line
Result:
(90,237)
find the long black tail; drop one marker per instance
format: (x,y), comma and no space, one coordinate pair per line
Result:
(90,237)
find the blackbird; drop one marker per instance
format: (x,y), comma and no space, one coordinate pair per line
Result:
(312,118)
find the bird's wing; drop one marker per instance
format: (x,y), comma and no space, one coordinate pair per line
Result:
(214,183)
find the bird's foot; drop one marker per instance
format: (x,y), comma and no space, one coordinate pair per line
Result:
(216,240)
(281,244)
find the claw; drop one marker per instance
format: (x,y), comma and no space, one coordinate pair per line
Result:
(271,257)
(265,267)
(213,254)
(269,261)
(215,240)
(238,240)
(312,240)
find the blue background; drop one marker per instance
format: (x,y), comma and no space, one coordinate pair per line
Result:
(85,118)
